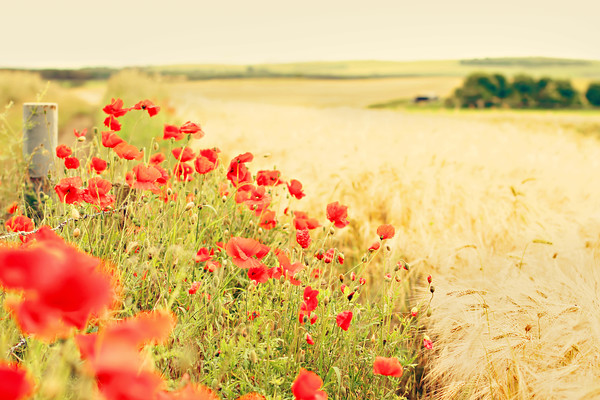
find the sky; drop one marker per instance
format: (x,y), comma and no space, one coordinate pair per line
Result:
(73,34)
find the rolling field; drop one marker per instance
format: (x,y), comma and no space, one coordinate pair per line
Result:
(503,206)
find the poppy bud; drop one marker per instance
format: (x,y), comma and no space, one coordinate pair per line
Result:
(224,199)
(341,277)
(398,279)
(352,276)
(388,248)
(189,206)
(414,311)
(331,231)
(76,232)
(253,356)
(194,219)
(429,279)
(388,277)
(156,146)
(432,289)
(350,296)
(75,214)
(362,281)
(81,139)
(169,191)
(364,259)
(429,312)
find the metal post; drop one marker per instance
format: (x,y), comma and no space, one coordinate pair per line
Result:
(40,136)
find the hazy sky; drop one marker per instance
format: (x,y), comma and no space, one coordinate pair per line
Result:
(65,33)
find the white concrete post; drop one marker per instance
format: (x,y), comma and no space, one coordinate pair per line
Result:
(40,137)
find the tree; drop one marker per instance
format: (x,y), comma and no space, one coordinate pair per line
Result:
(592,94)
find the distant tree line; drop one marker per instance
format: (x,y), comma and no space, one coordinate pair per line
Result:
(481,90)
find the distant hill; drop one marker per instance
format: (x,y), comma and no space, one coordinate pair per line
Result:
(360,69)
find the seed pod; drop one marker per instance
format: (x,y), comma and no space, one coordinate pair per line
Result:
(76,232)
(189,206)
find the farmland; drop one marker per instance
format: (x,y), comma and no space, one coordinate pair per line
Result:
(499,207)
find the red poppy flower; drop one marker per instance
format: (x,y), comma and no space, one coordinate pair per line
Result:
(146,176)
(68,190)
(375,246)
(19,223)
(115,108)
(194,288)
(303,238)
(328,256)
(309,339)
(286,268)
(427,343)
(337,214)
(14,207)
(97,193)
(241,250)
(112,123)
(204,255)
(302,221)
(206,161)
(386,232)
(387,366)
(267,220)
(268,178)
(80,134)
(128,151)
(71,163)
(63,151)
(212,265)
(252,396)
(192,129)
(164,175)
(98,165)
(258,200)
(111,139)
(307,386)
(62,285)
(157,158)
(14,382)
(310,299)
(343,319)
(258,274)
(295,188)
(148,106)
(171,131)
(194,392)
(183,172)
(114,357)
(237,172)
(183,154)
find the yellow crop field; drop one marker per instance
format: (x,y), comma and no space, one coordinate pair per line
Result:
(503,206)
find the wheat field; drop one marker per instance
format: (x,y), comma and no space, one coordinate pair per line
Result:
(502,207)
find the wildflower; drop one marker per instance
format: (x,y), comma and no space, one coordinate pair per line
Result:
(80,134)
(183,154)
(387,366)
(337,214)
(362,281)
(148,106)
(12,208)
(258,274)
(352,276)
(111,139)
(14,382)
(429,279)
(252,396)
(71,163)
(183,171)
(375,246)
(303,238)
(340,258)
(414,311)
(112,123)
(268,178)
(388,277)
(68,190)
(98,165)
(128,151)
(206,161)
(63,151)
(343,319)
(295,188)
(204,255)
(386,232)
(319,254)
(19,223)
(309,339)
(62,285)
(303,221)
(328,256)
(192,129)
(241,250)
(258,199)
(115,108)
(237,172)
(286,268)
(307,386)
(146,176)
(427,343)
(157,158)
(267,220)
(97,193)
(212,265)
(253,315)
(193,392)
(171,131)
(194,287)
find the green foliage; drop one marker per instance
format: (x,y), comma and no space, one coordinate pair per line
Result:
(482,90)
(592,94)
